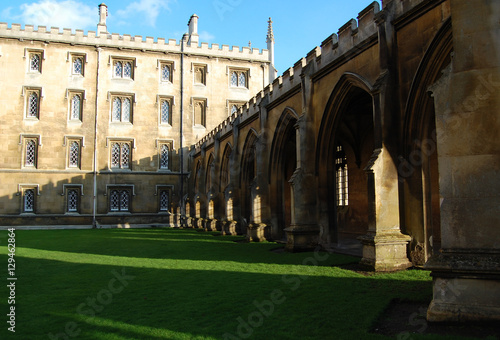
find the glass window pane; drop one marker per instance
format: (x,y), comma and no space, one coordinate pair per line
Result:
(234,79)
(115,155)
(75,107)
(126,110)
(164,200)
(29,200)
(72,200)
(164,157)
(118,69)
(124,200)
(114,200)
(35,62)
(33,105)
(242,80)
(165,110)
(117,109)
(127,70)
(74,154)
(77,66)
(165,73)
(125,156)
(30,153)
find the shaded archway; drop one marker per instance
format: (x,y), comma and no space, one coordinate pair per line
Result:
(247,176)
(418,168)
(345,146)
(282,165)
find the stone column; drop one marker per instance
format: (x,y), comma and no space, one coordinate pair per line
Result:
(466,274)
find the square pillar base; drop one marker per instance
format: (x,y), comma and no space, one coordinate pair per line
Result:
(302,237)
(256,232)
(385,252)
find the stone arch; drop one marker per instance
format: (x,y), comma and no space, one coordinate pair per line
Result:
(208,176)
(225,168)
(282,165)
(347,125)
(247,175)
(418,167)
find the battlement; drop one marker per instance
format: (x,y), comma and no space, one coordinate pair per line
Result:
(126,41)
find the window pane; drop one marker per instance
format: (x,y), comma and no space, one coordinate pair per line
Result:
(115,155)
(30,153)
(118,69)
(72,200)
(127,70)
(164,157)
(165,73)
(125,156)
(33,105)
(164,200)
(242,80)
(74,154)
(35,62)
(75,107)
(234,109)
(234,79)
(29,200)
(124,200)
(342,182)
(126,110)
(117,109)
(165,111)
(114,200)
(77,66)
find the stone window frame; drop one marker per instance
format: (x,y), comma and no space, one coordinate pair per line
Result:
(171,65)
(120,189)
(68,141)
(160,99)
(113,60)
(65,193)
(159,143)
(28,92)
(22,189)
(239,71)
(71,57)
(29,53)
(203,68)
(70,94)
(231,103)
(203,118)
(121,96)
(24,139)
(159,190)
(110,141)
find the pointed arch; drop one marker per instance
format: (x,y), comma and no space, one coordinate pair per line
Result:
(208,175)
(225,167)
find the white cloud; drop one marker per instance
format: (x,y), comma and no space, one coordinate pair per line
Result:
(150,9)
(62,14)
(206,37)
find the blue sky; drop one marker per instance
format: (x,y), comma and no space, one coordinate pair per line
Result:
(298,26)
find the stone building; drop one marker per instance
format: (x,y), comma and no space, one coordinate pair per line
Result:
(384,140)
(95,127)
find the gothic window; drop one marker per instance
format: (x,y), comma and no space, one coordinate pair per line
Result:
(77,66)
(164,157)
(31,153)
(239,78)
(342,180)
(165,72)
(121,109)
(199,113)
(165,111)
(200,74)
(123,69)
(35,62)
(164,199)
(33,104)
(72,200)
(74,154)
(76,107)
(29,201)
(120,155)
(119,200)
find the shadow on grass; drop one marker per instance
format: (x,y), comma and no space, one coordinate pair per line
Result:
(187,244)
(129,302)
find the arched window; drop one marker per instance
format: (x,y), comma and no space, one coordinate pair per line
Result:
(342,180)
(164,156)
(234,79)
(78,66)
(72,200)
(30,157)
(120,155)
(121,110)
(242,80)
(76,107)
(118,68)
(127,70)
(117,109)
(29,200)
(165,112)
(164,200)
(33,105)
(165,73)
(35,62)
(74,154)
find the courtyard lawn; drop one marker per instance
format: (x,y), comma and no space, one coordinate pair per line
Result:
(186,284)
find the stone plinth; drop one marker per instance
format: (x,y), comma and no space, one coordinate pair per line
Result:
(302,237)
(385,251)
(256,232)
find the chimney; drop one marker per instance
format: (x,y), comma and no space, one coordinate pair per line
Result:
(193,30)
(103,13)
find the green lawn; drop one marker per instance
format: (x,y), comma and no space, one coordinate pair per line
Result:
(185,284)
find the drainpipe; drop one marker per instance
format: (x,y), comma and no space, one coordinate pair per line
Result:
(94,208)
(180,130)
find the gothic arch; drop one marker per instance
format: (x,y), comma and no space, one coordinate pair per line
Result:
(247,174)
(347,133)
(282,164)
(208,175)
(418,168)
(225,168)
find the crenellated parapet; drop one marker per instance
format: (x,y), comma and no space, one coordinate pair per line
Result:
(126,41)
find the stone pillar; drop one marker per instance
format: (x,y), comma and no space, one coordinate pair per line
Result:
(101,26)
(466,274)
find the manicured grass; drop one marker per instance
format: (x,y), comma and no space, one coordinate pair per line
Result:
(185,284)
